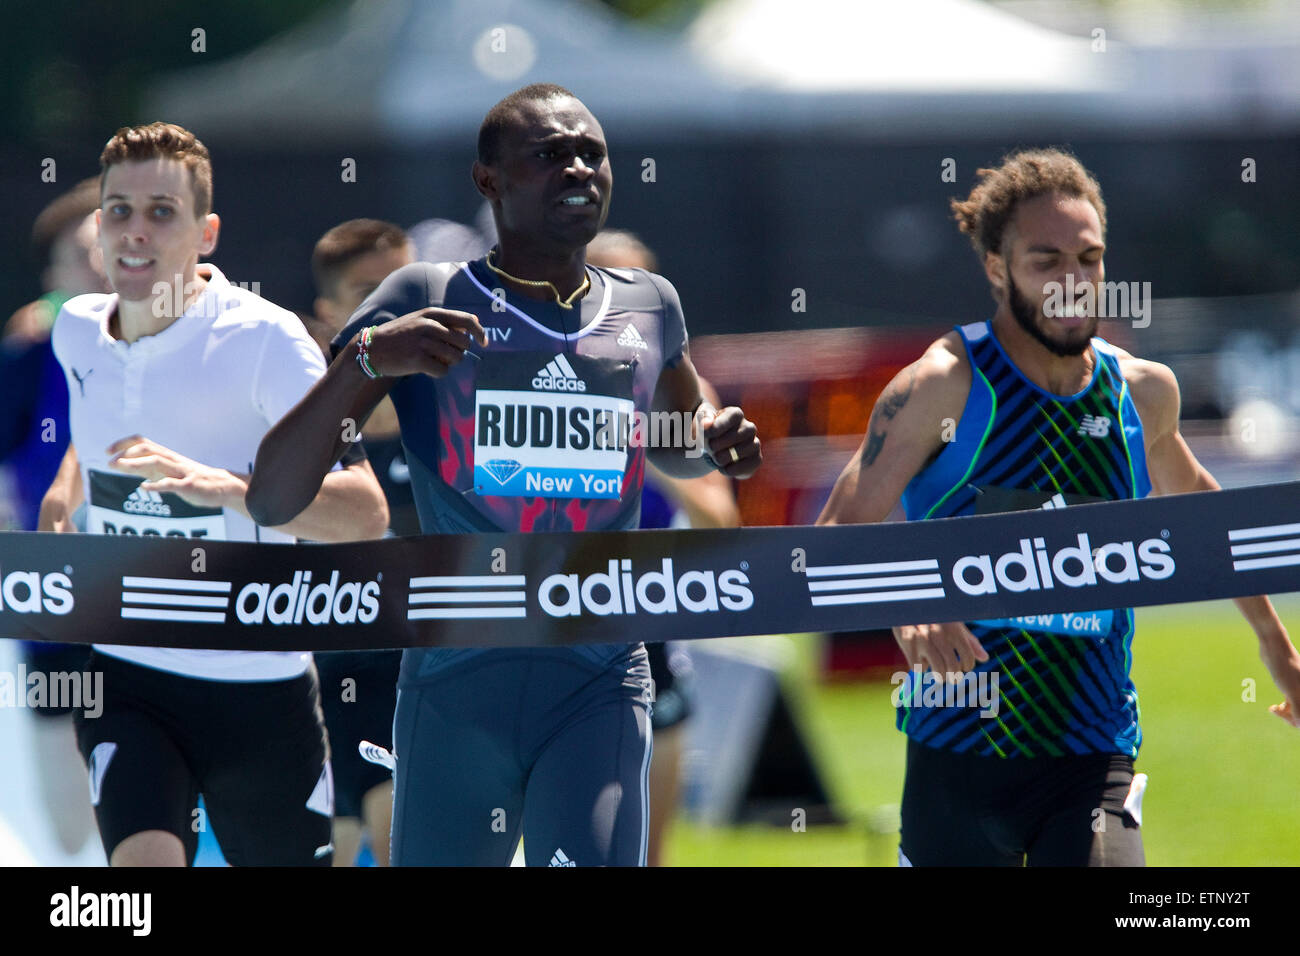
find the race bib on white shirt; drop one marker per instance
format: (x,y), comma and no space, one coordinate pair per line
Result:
(118,505)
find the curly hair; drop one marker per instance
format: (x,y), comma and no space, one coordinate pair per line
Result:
(1024,174)
(169,141)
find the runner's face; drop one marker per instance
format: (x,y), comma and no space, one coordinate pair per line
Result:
(1053,237)
(76,265)
(148,230)
(359,278)
(554,174)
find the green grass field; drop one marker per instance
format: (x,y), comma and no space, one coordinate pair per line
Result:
(1224,772)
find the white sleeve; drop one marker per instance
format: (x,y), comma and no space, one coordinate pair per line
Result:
(289,364)
(59,337)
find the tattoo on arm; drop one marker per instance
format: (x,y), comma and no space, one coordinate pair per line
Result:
(889,405)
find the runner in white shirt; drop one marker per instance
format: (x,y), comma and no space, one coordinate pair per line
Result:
(173,380)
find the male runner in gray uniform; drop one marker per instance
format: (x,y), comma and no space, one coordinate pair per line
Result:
(556,740)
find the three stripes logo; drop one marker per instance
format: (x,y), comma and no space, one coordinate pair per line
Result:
(175,599)
(559,376)
(465,596)
(1276,545)
(631,338)
(875,583)
(558,858)
(141,502)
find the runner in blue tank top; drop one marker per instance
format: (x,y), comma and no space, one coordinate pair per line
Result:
(513,378)
(1029,410)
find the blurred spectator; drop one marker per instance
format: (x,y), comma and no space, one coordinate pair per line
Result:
(33,439)
(347,264)
(705,502)
(33,390)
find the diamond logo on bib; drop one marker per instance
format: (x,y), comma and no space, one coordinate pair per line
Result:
(552,426)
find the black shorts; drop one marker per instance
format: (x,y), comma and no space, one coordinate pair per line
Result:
(966,810)
(51,658)
(256,750)
(357,711)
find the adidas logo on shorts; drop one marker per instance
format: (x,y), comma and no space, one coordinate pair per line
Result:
(559,376)
(559,859)
(141,502)
(631,338)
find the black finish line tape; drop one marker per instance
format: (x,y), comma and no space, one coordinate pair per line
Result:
(551,589)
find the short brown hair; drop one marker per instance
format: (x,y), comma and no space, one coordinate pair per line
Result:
(1024,174)
(68,211)
(167,141)
(609,243)
(347,241)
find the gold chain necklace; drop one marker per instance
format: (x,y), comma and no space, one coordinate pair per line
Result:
(538,283)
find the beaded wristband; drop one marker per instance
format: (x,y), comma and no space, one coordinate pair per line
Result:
(363,352)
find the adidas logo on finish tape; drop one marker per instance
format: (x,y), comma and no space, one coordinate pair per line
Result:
(1032,568)
(559,376)
(258,602)
(31,592)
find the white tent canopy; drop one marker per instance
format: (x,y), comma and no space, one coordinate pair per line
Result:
(414,70)
(956,66)
(881,46)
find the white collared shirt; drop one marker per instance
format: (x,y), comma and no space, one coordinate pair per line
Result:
(208,386)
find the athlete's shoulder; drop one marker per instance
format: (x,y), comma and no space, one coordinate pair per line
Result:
(433,277)
(1154,388)
(88,306)
(944,364)
(634,288)
(79,320)
(416,285)
(1140,373)
(627,275)
(227,303)
(931,388)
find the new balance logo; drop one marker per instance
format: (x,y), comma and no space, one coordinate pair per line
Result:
(559,376)
(631,338)
(141,502)
(1094,426)
(559,859)
(1056,501)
